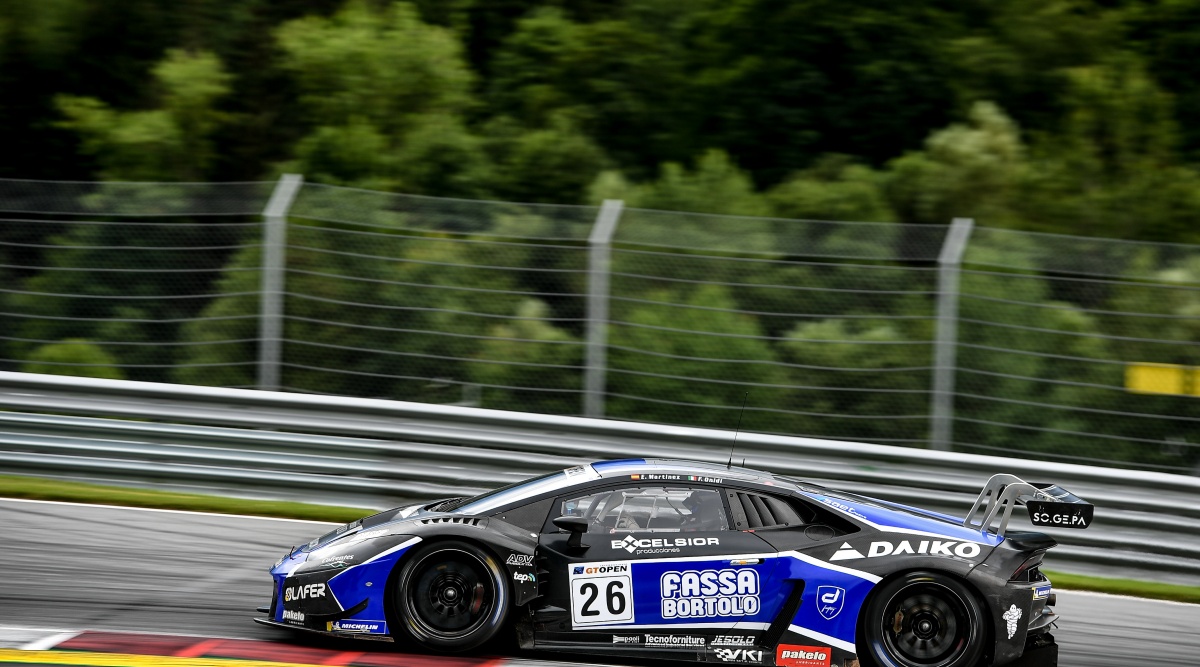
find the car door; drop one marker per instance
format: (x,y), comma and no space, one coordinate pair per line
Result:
(658,568)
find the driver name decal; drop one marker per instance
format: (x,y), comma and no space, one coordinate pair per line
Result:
(709,593)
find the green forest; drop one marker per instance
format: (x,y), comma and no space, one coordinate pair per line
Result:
(1072,116)
(1069,117)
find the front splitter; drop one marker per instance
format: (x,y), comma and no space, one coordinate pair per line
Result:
(324,633)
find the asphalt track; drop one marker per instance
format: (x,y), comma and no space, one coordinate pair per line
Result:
(77,567)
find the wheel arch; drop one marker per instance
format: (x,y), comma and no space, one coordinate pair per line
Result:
(987,621)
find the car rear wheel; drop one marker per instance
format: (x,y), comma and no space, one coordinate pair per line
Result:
(923,619)
(451,596)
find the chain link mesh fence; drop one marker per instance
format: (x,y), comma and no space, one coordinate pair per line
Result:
(825,329)
(1052,330)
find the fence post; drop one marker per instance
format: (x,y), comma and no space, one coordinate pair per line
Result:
(270,298)
(941,427)
(599,259)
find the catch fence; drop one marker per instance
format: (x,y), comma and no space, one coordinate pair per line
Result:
(952,336)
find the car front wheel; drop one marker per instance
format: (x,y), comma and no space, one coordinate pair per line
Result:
(923,619)
(451,596)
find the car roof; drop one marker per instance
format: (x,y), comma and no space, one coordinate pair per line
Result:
(708,472)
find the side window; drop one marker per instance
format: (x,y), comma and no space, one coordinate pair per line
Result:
(754,511)
(649,509)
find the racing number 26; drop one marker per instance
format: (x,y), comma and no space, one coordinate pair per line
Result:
(616,598)
(600,596)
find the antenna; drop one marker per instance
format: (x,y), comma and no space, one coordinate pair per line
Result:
(729,463)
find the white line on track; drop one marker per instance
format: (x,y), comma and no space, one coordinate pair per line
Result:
(1116,596)
(153,509)
(47,643)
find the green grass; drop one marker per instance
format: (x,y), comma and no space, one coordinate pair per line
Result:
(1142,589)
(15,486)
(36,488)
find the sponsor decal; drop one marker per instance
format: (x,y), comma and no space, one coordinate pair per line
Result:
(338,561)
(1042,592)
(524,578)
(733,640)
(739,655)
(575,471)
(301,592)
(966,550)
(667,545)
(709,593)
(601,593)
(524,560)
(354,626)
(710,480)
(830,600)
(348,526)
(673,640)
(1060,514)
(371,534)
(1010,618)
(627,639)
(793,655)
(290,615)
(843,507)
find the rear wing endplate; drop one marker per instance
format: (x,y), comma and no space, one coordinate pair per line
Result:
(1048,505)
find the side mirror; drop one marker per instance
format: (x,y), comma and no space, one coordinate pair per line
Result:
(576,525)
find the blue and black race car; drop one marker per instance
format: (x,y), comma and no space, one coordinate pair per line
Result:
(691,561)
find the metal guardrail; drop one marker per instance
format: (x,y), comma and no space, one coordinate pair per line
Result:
(378,452)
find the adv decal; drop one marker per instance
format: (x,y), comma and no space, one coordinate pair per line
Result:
(601,593)
(793,655)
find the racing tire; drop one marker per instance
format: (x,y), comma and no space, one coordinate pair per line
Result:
(451,596)
(922,619)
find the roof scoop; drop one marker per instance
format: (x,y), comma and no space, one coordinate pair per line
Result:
(1049,505)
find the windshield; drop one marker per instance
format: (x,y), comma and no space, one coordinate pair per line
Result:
(504,496)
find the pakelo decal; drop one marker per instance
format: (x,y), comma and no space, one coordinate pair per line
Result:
(966,550)
(295,616)
(709,593)
(793,655)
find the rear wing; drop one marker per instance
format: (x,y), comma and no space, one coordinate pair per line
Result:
(1048,505)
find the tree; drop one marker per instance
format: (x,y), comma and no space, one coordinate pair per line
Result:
(74,356)
(385,96)
(687,357)
(172,142)
(530,365)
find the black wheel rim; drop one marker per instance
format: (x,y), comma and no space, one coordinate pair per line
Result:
(450,594)
(926,625)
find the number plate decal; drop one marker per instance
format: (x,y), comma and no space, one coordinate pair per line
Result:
(601,593)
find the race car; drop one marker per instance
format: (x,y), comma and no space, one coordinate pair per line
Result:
(691,561)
